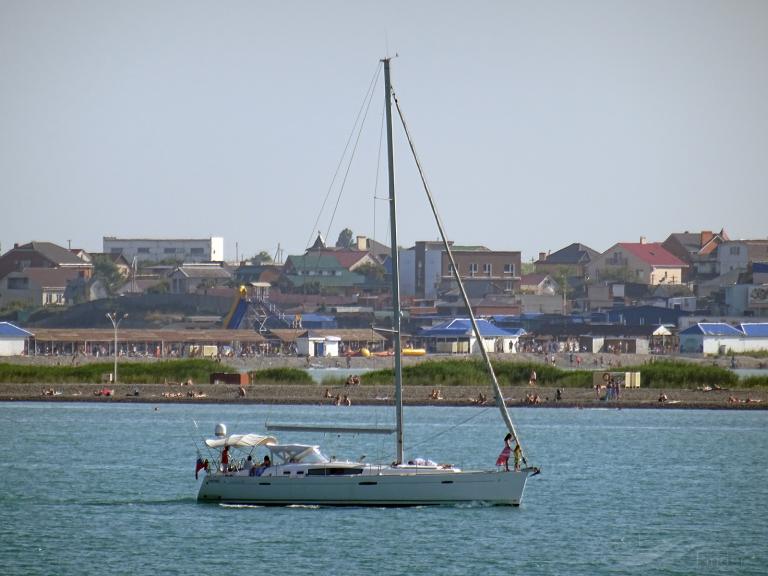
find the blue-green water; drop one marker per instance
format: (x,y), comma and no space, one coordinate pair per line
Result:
(110,489)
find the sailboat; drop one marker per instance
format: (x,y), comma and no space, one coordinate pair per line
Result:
(301,474)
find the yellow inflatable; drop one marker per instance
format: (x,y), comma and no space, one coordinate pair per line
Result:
(365,352)
(414,351)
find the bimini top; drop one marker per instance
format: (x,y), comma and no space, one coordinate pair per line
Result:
(241,441)
(298,453)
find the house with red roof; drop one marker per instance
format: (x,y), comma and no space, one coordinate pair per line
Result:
(642,262)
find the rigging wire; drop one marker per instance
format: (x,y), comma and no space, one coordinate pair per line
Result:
(497,390)
(450,428)
(363,106)
(378,166)
(352,155)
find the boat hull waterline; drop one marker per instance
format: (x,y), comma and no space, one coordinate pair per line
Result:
(415,489)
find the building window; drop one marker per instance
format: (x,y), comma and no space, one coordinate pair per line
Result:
(509,269)
(18,283)
(143,251)
(735,250)
(169,250)
(472,269)
(115,250)
(197,251)
(487,269)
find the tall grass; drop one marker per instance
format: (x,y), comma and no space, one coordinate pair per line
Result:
(472,372)
(197,370)
(670,374)
(281,375)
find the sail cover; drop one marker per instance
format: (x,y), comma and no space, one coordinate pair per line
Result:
(240,441)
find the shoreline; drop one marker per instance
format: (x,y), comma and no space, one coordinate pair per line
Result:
(314,394)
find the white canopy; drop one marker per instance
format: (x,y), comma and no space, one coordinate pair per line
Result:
(240,441)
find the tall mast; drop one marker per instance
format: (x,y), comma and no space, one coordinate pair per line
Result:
(395,266)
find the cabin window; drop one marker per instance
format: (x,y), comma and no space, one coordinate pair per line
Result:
(330,471)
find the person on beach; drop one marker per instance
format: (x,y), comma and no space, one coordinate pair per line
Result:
(503,459)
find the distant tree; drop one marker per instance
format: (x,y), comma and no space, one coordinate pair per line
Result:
(261,257)
(371,271)
(345,239)
(106,270)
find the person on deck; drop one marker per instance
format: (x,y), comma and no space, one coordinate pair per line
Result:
(518,453)
(225,459)
(503,459)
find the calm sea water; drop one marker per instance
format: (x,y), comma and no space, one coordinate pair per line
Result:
(110,489)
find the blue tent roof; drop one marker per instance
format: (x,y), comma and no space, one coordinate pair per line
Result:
(8,330)
(713,329)
(460,327)
(756,330)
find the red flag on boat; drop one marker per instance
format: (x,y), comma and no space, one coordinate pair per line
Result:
(200,465)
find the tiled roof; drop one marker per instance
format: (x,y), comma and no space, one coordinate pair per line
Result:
(652,253)
(713,329)
(53,252)
(8,330)
(756,330)
(460,327)
(573,254)
(192,271)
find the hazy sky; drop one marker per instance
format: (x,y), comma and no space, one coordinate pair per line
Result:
(539,123)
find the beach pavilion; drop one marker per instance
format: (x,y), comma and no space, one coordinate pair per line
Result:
(457,337)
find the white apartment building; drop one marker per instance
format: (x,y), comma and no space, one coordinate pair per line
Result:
(158,249)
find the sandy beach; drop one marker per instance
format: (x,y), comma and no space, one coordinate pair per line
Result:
(380,395)
(371,395)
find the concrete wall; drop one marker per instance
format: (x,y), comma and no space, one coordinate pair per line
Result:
(11,346)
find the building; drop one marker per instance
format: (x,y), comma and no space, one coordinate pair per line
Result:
(457,337)
(316,345)
(12,339)
(420,269)
(722,338)
(38,286)
(739,254)
(160,249)
(571,260)
(538,283)
(698,250)
(642,262)
(198,278)
(482,271)
(42,255)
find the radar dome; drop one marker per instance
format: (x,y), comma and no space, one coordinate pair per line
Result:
(221,430)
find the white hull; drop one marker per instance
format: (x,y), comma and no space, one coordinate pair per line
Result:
(387,488)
